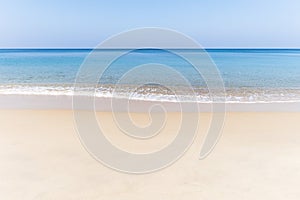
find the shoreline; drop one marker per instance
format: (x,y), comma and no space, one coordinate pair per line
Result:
(48,102)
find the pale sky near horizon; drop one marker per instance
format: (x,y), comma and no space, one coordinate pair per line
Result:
(213,23)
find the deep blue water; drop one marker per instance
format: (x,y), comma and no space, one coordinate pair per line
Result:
(238,67)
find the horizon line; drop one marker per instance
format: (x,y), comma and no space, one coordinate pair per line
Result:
(93,48)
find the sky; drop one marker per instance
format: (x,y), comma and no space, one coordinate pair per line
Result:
(213,23)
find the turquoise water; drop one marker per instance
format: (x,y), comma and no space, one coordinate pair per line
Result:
(248,74)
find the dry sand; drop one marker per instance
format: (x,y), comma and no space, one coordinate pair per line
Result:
(257,157)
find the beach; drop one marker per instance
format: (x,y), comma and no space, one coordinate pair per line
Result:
(257,157)
(150,100)
(43,157)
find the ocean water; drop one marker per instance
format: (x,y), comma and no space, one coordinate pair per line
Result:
(249,75)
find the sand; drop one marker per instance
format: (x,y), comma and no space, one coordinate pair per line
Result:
(257,157)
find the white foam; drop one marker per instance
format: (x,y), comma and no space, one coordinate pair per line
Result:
(152,94)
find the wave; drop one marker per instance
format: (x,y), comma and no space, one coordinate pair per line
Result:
(158,93)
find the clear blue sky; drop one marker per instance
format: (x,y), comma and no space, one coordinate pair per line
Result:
(213,23)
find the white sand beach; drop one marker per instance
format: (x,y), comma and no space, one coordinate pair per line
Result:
(257,158)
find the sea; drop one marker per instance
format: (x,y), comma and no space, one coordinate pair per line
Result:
(248,75)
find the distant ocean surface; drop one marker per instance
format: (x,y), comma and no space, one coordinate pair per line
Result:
(249,75)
